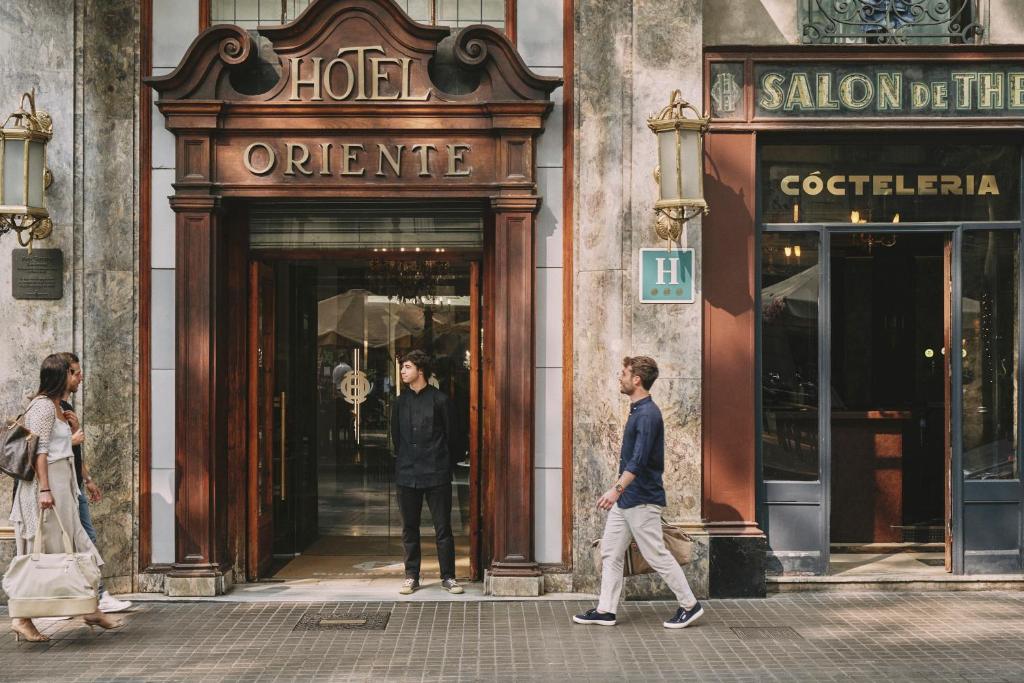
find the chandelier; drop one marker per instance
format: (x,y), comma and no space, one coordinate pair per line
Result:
(409,280)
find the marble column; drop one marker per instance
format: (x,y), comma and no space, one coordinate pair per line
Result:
(630,56)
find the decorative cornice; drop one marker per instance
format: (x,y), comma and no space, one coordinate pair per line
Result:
(215,49)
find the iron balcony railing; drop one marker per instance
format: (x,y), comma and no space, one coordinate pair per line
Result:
(912,22)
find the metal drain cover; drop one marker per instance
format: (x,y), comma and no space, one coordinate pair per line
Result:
(761,633)
(343,621)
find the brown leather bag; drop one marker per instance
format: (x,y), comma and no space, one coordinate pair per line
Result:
(18,449)
(677,541)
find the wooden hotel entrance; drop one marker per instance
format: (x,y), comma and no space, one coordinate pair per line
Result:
(328,329)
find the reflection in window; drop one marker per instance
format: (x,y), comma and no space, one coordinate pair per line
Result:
(990,354)
(789,356)
(251,14)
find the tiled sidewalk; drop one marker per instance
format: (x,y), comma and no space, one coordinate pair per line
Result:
(864,637)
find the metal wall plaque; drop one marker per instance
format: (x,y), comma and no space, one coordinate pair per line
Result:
(666,276)
(37,275)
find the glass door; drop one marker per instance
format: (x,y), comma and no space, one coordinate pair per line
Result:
(342,327)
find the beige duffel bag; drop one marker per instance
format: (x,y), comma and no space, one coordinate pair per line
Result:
(51,585)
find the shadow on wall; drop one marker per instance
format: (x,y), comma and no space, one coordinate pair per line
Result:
(734,238)
(750,22)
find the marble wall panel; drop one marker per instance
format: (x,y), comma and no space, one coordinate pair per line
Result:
(604,44)
(84,63)
(630,57)
(109,308)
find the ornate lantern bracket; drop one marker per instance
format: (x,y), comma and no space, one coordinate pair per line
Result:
(24,176)
(680,171)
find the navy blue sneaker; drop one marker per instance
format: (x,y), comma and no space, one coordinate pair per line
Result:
(684,617)
(592,616)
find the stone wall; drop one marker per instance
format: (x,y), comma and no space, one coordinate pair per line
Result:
(82,58)
(630,55)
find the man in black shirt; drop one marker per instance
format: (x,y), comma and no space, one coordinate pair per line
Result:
(421,427)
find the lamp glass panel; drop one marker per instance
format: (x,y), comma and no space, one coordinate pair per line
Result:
(668,160)
(35,174)
(690,161)
(14,173)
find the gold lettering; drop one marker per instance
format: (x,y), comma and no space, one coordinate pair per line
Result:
(1016,99)
(848,96)
(424,152)
(247,158)
(833,185)
(825,100)
(294,163)
(940,96)
(890,90)
(950,184)
(348,155)
(813,185)
(881,184)
(394,161)
(964,89)
(926,184)
(920,96)
(988,185)
(771,91)
(970,185)
(990,91)
(325,158)
(901,186)
(377,75)
(799,94)
(329,75)
(859,182)
(790,185)
(407,83)
(297,82)
(455,153)
(361,61)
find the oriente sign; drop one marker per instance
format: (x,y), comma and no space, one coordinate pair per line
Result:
(911,89)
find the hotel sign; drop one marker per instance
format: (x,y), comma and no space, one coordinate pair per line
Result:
(666,276)
(894,90)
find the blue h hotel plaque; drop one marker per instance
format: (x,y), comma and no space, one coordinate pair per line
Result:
(666,276)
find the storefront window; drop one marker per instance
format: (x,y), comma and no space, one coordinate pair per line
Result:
(989,352)
(873,181)
(251,14)
(789,356)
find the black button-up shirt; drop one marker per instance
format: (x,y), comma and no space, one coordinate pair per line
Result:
(420,428)
(643,454)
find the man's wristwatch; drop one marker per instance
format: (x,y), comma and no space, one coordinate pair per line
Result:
(618,488)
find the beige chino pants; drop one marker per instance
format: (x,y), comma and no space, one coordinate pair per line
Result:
(642,522)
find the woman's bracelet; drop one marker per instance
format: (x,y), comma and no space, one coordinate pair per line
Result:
(44,491)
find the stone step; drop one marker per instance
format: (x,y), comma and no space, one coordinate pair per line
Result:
(895,582)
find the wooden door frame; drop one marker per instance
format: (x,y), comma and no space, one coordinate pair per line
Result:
(477,333)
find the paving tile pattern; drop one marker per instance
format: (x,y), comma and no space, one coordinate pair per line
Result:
(843,637)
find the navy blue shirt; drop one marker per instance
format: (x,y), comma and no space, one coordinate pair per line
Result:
(643,454)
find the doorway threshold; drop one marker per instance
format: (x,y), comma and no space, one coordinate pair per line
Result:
(895,582)
(349,590)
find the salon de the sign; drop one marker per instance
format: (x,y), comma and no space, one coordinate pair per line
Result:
(932,89)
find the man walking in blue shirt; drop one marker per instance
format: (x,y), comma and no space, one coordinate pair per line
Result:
(636,501)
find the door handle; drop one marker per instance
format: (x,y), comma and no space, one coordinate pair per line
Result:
(284,439)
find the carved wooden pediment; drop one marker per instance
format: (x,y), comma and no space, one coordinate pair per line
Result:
(353,52)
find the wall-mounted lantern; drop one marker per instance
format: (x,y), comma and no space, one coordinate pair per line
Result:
(680,172)
(24,176)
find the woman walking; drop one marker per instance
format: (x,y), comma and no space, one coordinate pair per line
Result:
(54,486)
